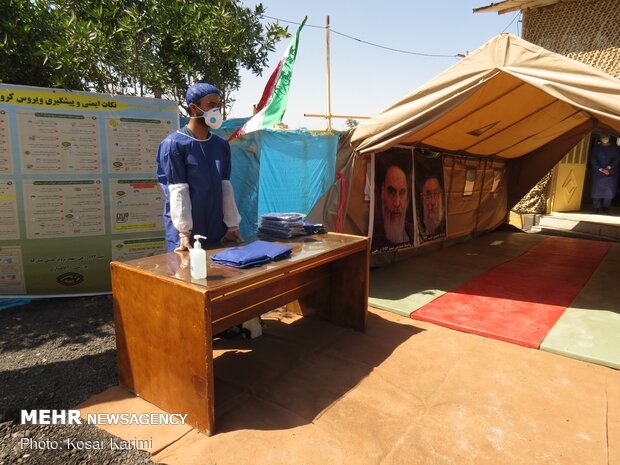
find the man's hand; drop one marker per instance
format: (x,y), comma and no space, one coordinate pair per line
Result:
(233,235)
(184,245)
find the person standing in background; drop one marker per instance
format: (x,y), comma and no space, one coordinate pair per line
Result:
(604,161)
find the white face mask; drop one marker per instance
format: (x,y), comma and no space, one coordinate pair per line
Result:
(213,118)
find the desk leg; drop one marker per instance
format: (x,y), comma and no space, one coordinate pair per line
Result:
(345,301)
(164,343)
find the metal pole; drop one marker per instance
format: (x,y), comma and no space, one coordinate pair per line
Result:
(329,98)
(320,115)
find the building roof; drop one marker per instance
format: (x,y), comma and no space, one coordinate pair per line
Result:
(508,6)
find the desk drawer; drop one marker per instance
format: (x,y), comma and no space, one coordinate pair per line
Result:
(242,304)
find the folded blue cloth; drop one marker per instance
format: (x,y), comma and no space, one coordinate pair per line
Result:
(280,233)
(253,254)
(286,225)
(312,228)
(292,216)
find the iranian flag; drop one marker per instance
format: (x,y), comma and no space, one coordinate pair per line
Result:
(272,104)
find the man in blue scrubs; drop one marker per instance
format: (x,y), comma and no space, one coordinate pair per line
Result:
(193,169)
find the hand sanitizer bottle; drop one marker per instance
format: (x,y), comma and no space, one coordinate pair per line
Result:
(198,259)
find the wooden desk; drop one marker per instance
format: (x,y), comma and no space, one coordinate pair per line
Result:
(165,320)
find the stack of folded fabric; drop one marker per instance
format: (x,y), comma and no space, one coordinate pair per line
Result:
(253,254)
(314,228)
(282,225)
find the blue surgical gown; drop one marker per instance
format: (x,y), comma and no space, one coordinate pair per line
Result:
(203,165)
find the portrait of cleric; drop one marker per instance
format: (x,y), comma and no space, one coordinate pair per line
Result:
(392,226)
(430,196)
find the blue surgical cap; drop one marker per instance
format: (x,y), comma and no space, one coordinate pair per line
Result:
(200,90)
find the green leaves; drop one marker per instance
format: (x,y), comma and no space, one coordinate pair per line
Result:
(136,47)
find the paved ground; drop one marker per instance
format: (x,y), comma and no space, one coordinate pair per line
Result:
(308,392)
(404,392)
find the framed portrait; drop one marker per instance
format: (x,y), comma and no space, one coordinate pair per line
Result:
(391,219)
(430,195)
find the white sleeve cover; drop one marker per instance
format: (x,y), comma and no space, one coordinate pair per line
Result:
(231,214)
(181,208)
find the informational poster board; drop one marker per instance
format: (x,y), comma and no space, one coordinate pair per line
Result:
(77,187)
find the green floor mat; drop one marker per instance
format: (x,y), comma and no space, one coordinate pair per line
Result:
(586,334)
(590,328)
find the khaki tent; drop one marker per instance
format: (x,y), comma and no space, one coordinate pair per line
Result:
(510,108)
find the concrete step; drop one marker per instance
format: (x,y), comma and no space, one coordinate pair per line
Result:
(586,225)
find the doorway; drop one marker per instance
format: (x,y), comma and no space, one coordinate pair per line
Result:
(586,203)
(572,179)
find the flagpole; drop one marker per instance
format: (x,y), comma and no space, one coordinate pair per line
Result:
(329,97)
(328,116)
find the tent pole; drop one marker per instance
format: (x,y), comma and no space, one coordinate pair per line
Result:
(329,98)
(328,115)
(484,173)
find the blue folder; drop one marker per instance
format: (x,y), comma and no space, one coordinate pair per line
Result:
(253,254)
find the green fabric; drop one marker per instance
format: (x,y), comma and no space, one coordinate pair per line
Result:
(590,328)
(277,106)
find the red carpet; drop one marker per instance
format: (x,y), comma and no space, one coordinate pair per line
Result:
(520,300)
